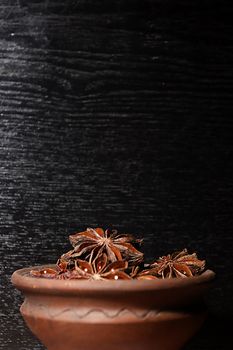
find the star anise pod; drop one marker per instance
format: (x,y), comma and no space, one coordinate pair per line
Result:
(91,243)
(140,274)
(47,273)
(178,264)
(100,269)
(61,269)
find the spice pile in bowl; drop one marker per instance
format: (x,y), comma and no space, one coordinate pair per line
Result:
(108,255)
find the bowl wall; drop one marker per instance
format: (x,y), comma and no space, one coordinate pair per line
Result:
(141,315)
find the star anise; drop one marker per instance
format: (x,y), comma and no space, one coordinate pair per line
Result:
(107,255)
(60,271)
(100,269)
(178,264)
(139,274)
(47,273)
(91,243)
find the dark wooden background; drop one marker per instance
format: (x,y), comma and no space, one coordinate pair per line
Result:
(116,113)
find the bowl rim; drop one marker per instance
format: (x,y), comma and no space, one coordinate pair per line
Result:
(26,283)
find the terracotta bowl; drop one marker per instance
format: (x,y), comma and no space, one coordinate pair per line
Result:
(127,315)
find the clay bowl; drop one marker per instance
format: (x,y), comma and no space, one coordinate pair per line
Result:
(127,315)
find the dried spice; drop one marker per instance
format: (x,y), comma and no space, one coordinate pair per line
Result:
(100,269)
(92,243)
(140,274)
(178,264)
(48,273)
(106,255)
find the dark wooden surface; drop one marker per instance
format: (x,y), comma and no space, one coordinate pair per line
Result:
(116,113)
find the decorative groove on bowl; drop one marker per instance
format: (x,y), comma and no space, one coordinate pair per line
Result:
(95,313)
(109,314)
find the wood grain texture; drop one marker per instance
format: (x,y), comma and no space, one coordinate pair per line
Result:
(116,113)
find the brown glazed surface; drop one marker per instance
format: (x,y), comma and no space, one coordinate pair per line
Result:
(126,315)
